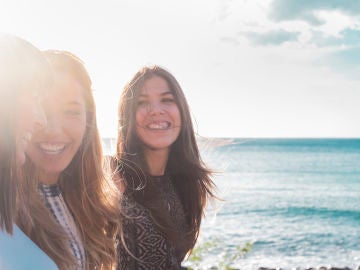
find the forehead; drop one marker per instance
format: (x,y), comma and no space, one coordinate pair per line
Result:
(155,85)
(66,89)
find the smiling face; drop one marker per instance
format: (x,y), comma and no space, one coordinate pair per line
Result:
(25,76)
(29,118)
(53,147)
(158,120)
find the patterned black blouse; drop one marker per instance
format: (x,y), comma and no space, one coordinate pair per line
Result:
(143,237)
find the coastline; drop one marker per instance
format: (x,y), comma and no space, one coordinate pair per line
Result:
(279,268)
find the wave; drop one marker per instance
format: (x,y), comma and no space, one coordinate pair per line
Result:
(310,212)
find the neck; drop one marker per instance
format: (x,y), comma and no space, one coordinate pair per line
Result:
(48,178)
(156,161)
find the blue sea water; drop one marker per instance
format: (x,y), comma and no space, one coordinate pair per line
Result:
(296,200)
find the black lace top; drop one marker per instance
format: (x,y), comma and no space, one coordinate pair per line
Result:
(142,234)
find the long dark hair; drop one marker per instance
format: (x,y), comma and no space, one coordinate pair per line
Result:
(23,70)
(190,176)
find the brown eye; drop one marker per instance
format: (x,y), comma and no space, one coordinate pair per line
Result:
(141,103)
(168,100)
(72,112)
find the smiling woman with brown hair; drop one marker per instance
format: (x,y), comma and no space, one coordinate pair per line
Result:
(74,220)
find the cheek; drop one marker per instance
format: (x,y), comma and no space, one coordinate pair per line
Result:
(140,116)
(177,116)
(82,128)
(140,120)
(78,129)
(25,116)
(139,132)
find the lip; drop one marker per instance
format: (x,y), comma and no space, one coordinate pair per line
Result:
(51,148)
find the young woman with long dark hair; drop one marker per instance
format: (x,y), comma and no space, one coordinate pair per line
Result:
(164,181)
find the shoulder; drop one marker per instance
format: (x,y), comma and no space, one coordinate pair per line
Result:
(19,245)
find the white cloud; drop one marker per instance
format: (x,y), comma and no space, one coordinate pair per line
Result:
(335,22)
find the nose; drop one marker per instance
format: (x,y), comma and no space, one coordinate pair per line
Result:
(156,108)
(53,124)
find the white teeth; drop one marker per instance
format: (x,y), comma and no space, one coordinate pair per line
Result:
(50,148)
(161,125)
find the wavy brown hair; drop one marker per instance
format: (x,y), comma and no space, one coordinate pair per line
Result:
(91,197)
(191,178)
(23,69)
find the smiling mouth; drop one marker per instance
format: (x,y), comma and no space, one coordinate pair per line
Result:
(52,148)
(159,126)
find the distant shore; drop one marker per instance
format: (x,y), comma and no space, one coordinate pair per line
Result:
(294,268)
(312,268)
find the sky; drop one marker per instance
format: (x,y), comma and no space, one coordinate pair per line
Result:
(249,68)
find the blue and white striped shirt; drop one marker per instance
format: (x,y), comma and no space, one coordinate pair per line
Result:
(55,202)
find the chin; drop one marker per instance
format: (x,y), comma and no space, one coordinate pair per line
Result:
(54,169)
(155,147)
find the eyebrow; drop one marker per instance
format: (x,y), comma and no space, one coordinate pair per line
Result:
(162,94)
(74,103)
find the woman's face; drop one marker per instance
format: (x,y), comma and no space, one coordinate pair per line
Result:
(29,118)
(158,120)
(53,147)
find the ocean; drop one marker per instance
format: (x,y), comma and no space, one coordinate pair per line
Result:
(295,201)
